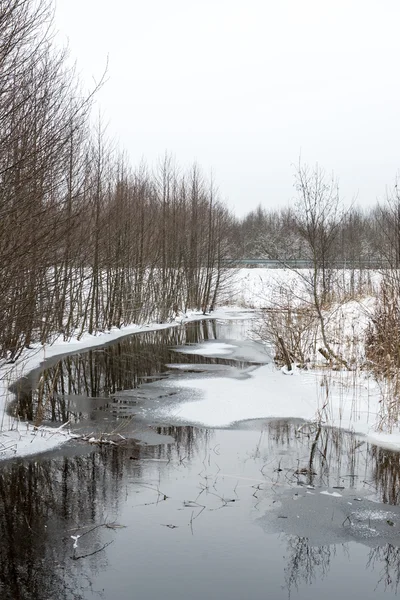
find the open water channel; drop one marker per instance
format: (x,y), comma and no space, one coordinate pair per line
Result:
(263,509)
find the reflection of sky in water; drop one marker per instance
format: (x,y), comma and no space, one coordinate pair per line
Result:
(235,513)
(202,516)
(206,511)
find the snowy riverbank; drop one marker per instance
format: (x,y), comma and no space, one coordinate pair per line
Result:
(347,399)
(338,399)
(19,438)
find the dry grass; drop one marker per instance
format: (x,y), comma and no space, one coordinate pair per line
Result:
(383,349)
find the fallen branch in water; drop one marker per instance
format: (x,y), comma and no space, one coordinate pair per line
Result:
(74,557)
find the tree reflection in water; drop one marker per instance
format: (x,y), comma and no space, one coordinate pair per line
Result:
(305,563)
(387,474)
(386,559)
(314,455)
(327,457)
(39,504)
(44,502)
(99,373)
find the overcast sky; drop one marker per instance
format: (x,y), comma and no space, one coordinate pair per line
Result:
(244,86)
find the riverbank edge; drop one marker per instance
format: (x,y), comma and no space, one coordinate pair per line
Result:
(21,438)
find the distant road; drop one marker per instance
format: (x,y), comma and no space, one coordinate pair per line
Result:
(302,264)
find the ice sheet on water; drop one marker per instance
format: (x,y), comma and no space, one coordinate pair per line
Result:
(241,350)
(324,519)
(211,348)
(198,368)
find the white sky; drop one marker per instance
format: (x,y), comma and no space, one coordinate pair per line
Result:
(244,86)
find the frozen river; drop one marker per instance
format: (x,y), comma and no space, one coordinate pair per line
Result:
(198,498)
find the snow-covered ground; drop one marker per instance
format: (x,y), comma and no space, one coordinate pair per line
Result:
(351,400)
(335,399)
(341,399)
(347,399)
(269,288)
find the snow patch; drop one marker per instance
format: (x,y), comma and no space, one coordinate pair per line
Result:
(207,349)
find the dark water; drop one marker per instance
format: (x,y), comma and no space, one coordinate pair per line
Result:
(195,513)
(83,386)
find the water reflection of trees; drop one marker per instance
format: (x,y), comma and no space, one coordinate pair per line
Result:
(310,454)
(42,502)
(306,563)
(387,560)
(386,474)
(39,503)
(102,372)
(189,442)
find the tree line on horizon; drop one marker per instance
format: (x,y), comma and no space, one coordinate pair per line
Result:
(354,236)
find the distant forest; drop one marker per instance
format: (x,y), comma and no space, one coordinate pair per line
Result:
(358,237)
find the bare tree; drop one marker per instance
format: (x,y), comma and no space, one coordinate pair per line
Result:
(318,215)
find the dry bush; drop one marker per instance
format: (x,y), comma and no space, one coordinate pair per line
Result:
(293,327)
(290,330)
(383,334)
(383,349)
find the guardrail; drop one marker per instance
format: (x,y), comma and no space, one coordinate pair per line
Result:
(304,264)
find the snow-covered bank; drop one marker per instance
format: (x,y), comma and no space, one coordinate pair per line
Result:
(269,288)
(343,399)
(335,400)
(347,399)
(21,439)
